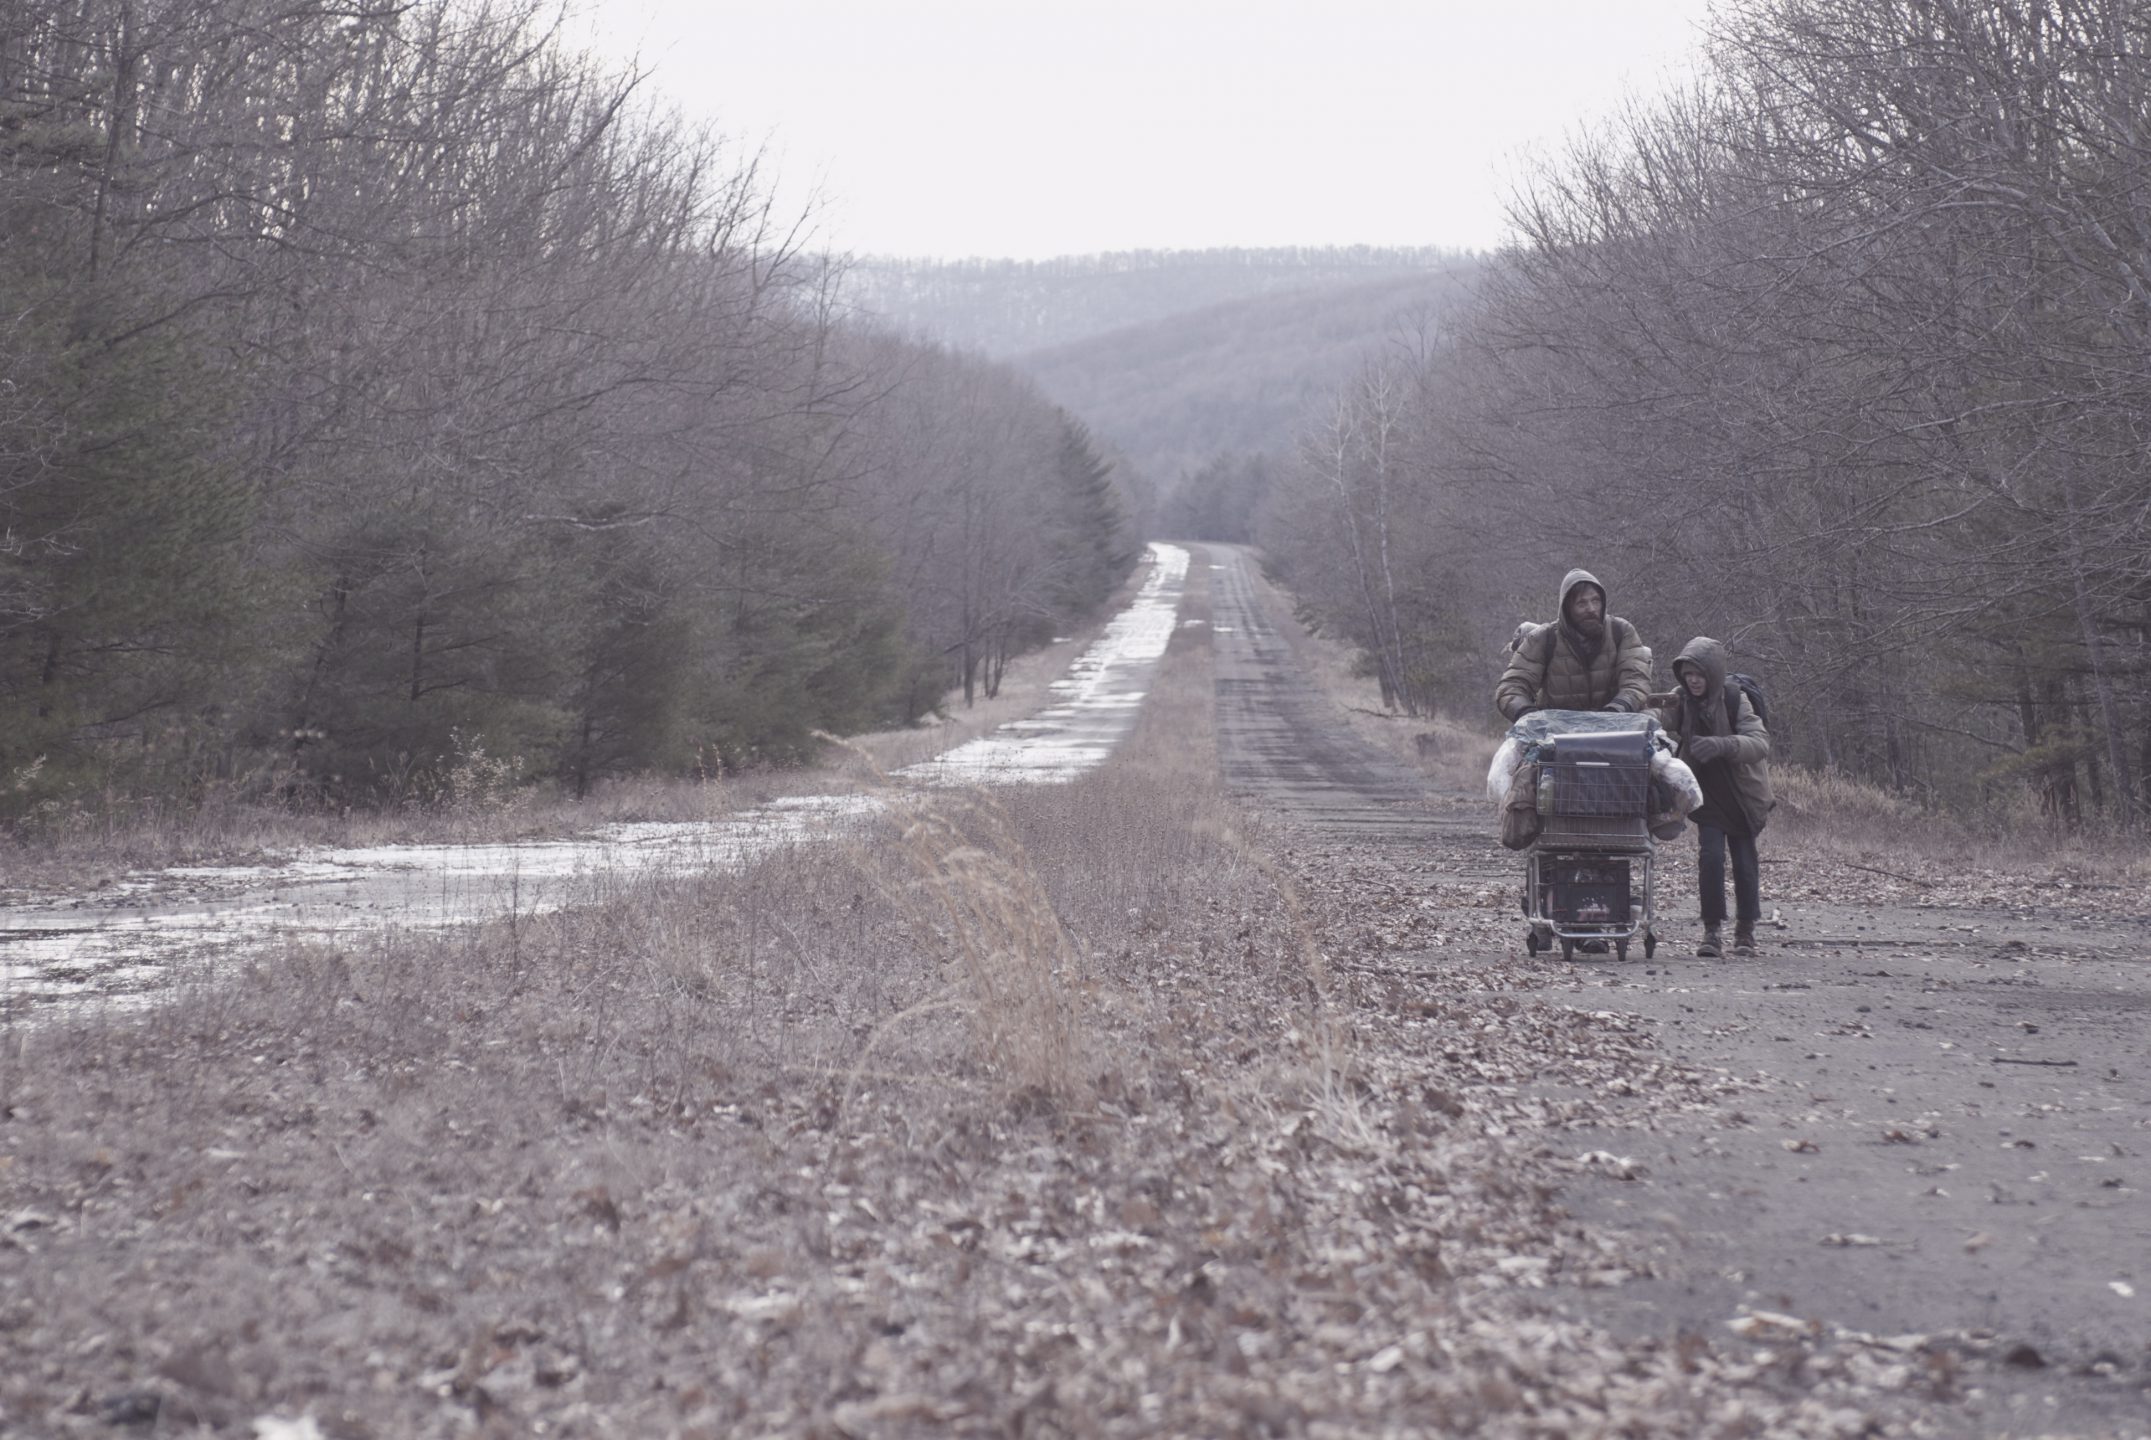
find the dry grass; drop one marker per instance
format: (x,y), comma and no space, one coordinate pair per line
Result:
(1826,801)
(1830,814)
(972,888)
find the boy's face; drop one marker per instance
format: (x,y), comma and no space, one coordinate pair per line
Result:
(1695,680)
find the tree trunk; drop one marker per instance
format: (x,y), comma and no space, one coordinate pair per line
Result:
(2110,721)
(123,65)
(302,720)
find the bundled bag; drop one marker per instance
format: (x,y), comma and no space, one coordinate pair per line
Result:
(1520,820)
(1674,793)
(1685,790)
(1502,772)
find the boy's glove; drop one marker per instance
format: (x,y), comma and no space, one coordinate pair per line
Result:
(1703,748)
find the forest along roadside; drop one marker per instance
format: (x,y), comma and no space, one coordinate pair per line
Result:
(1912,1135)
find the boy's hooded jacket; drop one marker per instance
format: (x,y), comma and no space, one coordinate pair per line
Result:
(1736,786)
(1559,668)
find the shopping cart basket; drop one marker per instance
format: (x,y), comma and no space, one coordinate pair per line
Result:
(1588,877)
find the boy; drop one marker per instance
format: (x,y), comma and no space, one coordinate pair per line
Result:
(1725,742)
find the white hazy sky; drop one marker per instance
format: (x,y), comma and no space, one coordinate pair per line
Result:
(1031,128)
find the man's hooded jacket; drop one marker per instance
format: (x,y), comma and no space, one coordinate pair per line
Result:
(1561,668)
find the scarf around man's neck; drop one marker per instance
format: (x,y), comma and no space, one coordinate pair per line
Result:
(1585,646)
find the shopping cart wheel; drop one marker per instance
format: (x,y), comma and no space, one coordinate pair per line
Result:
(1620,949)
(1650,944)
(1531,940)
(1568,948)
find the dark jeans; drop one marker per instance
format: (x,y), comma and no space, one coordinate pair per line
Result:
(1747,876)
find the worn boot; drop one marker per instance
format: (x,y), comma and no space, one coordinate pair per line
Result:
(1744,940)
(1710,949)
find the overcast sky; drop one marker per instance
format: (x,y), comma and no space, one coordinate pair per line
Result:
(1030,128)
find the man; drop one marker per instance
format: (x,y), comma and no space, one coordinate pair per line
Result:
(1585,660)
(1725,742)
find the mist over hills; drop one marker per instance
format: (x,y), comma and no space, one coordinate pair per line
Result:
(1177,358)
(1244,376)
(1012,307)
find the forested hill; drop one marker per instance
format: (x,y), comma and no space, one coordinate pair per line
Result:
(497,447)
(1012,307)
(1243,377)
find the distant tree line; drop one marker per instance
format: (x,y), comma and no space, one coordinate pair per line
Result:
(1843,355)
(380,381)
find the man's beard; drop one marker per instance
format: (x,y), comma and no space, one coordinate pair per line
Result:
(1593,626)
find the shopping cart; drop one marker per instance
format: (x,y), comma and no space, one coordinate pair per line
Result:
(1588,876)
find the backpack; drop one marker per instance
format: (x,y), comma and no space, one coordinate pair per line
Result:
(1750,687)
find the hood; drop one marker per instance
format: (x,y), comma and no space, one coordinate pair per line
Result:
(1568,584)
(1707,655)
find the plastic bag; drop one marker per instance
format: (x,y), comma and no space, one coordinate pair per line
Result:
(1503,770)
(1674,771)
(1541,726)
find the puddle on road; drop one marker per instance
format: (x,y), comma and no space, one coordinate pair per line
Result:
(133,937)
(1099,697)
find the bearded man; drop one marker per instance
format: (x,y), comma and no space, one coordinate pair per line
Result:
(1585,660)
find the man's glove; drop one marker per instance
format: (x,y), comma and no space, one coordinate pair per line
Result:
(1618,705)
(1523,710)
(1701,749)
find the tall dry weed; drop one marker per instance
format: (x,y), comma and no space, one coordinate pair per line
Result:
(967,881)
(1829,800)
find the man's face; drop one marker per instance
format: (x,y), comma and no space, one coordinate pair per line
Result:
(1696,680)
(1586,608)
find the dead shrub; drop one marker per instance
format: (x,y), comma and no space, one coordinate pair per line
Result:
(1829,800)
